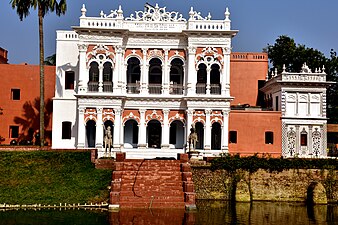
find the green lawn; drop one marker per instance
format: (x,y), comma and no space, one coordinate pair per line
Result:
(47,177)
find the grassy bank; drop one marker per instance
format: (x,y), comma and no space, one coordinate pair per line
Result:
(42,177)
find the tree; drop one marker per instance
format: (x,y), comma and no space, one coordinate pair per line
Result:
(23,8)
(286,52)
(50,60)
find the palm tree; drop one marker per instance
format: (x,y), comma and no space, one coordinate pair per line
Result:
(44,7)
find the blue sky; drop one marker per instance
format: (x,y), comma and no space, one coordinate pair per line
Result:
(310,22)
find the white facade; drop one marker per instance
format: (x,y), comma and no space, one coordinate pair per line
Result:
(149,76)
(301,98)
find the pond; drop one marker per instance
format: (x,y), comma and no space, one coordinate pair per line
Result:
(208,212)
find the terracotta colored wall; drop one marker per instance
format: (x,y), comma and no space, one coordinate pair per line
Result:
(246,69)
(24,112)
(251,127)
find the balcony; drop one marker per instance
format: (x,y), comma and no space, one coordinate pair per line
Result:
(201,88)
(155,88)
(133,88)
(215,89)
(176,89)
(107,86)
(93,86)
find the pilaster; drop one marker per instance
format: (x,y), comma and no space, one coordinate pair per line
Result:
(166,72)
(83,73)
(207,133)
(142,129)
(225,131)
(165,129)
(225,89)
(81,137)
(117,129)
(99,129)
(191,75)
(144,72)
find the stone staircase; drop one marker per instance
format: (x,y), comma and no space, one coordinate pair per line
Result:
(145,183)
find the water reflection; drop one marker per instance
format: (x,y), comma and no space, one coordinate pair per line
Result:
(208,213)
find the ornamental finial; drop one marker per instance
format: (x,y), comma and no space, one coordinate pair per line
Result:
(83,10)
(284,68)
(227,14)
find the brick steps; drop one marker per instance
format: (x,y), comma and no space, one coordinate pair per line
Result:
(152,183)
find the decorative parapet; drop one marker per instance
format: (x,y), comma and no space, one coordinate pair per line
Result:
(237,56)
(156,19)
(66,35)
(305,75)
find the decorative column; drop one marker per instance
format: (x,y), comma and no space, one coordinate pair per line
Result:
(208,81)
(142,132)
(81,131)
(144,72)
(99,129)
(190,114)
(191,76)
(100,78)
(225,90)
(297,141)
(165,129)
(83,73)
(166,73)
(207,133)
(123,73)
(117,71)
(225,131)
(117,129)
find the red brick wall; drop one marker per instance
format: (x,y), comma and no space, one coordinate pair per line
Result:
(246,69)
(251,128)
(27,79)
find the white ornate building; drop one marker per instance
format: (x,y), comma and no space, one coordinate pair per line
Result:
(149,76)
(154,74)
(301,98)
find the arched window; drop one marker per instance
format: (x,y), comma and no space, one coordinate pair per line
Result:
(93,83)
(201,79)
(176,76)
(91,133)
(200,135)
(133,75)
(216,133)
(107,77)
(155,76)
(215,84)
(154,132)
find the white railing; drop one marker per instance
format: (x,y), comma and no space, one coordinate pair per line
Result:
(133,88)
(107,86)
(176,89)
(93,86)
(201,89)
(66,35)
(155,88)
(320,77)
(215,89)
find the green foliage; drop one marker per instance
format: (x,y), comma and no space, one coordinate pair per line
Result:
(51,178)
(252,164)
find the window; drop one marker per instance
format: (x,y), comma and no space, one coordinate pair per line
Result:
(13,131)
(268,137)
(69,82)
(277,102)
(66,130)
(233,137)
(15,94)
(172,133)
(303,139)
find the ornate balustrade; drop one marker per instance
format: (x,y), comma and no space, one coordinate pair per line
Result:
(176,89)
(155,88)
(201,88)
(133,88)
(215,89)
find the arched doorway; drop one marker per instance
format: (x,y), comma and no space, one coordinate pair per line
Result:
(107,77)
(131,133)
(176,77)
(215,84)
(93,83)
(200,135)
(154,134)
(91,133)
(155,76)
(216,132)
(176,136)
(201,79)
(133,75)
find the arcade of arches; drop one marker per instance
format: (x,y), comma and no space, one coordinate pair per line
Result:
(155,128)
